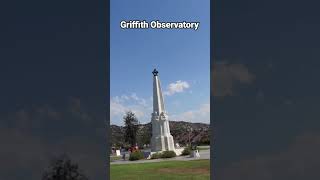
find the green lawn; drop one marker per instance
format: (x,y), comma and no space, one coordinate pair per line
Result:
(171,170)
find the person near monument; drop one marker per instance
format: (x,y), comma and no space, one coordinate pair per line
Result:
(123,152)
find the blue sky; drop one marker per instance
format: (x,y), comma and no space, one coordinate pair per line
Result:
(182,58)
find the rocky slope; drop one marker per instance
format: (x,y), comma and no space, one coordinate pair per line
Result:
(180,130)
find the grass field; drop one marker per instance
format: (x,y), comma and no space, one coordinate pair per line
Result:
(171,170)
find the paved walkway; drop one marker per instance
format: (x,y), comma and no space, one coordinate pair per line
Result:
(204,154)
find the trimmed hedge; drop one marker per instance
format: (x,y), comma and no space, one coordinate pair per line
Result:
(168,154)
(137,155)
(164,154)
(156,156)
(186,151)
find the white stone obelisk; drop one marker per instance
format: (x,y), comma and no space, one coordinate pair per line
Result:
(161,139)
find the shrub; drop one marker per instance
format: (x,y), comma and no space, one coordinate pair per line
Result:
(168,154)
(186,151)
(204,141)
(156,156)
(136,155)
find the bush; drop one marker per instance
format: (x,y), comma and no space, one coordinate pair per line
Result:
(186,151)
(156,156)
(136,155)
(168,154)
(204,141)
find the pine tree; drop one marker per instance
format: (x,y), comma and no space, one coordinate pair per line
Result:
(131,128)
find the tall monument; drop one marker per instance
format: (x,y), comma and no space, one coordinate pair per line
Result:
(161,139)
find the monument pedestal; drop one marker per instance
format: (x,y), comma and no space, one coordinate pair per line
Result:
(162,143)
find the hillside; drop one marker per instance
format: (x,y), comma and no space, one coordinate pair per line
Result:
(179,129)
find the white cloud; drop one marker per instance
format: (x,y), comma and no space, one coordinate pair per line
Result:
(176,87)
(133,98)
(202,114)
(119,105)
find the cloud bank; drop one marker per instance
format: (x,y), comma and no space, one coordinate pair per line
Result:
(199,115)
(119,105)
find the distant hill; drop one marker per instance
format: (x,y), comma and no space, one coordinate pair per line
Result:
(179,129)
